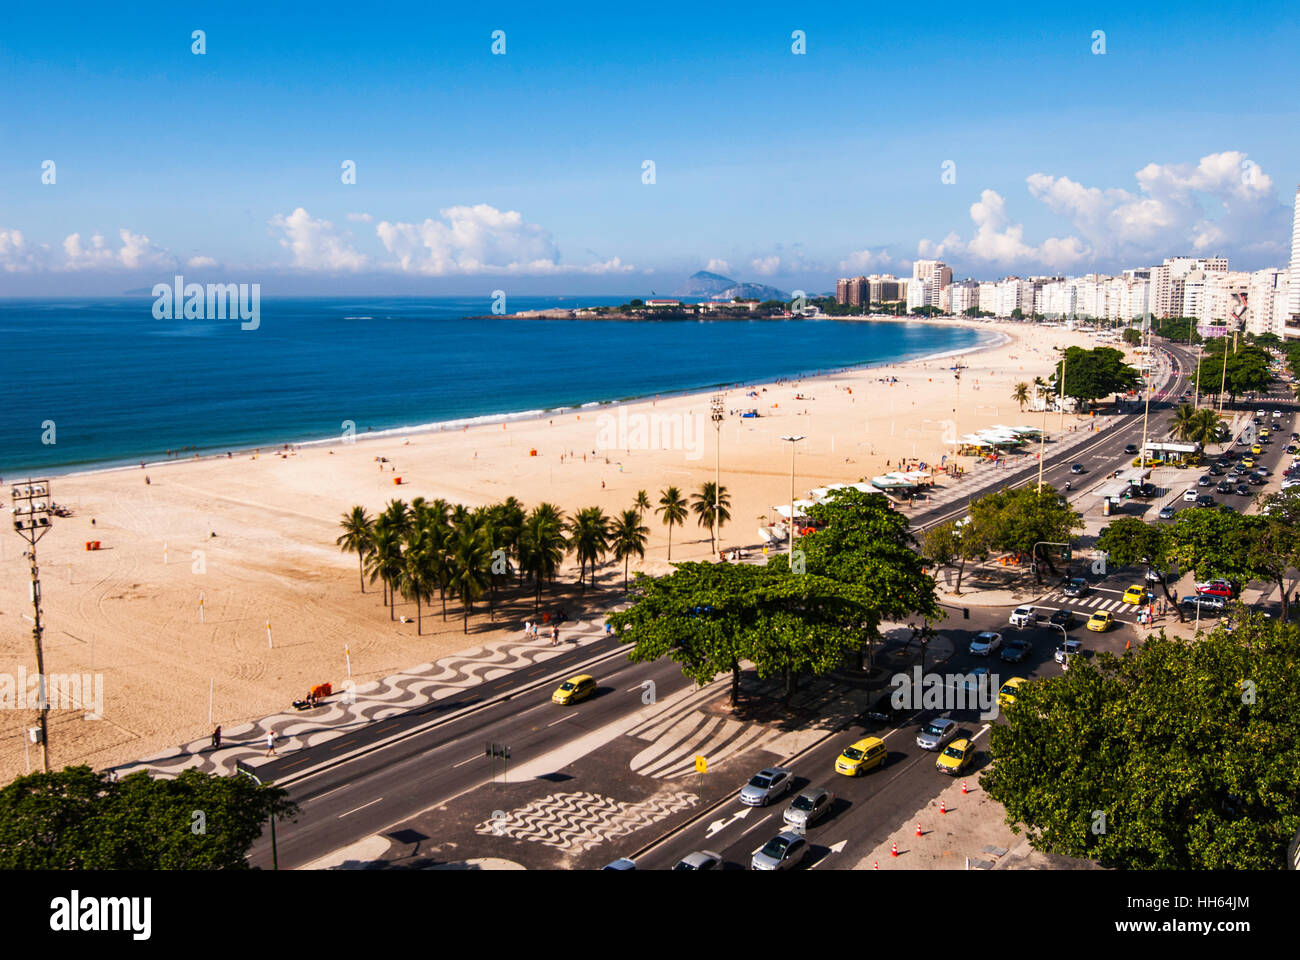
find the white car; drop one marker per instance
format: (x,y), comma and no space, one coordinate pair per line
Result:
(1190,495)
(985,643)
(1022,617)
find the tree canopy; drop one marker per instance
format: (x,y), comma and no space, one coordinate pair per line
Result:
(1096,373)
(80,819)
(1176,756)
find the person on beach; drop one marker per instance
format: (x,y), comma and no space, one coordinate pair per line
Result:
(555,635)
(528,628)
(270,742)
(216,738)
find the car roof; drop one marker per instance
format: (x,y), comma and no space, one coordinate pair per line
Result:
(1014,682)
(699,856)
(772,771)
(581,677)
(1100,613)
(812,793)
(866,742)
(960,742)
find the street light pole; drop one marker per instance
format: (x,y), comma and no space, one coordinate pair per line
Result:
(792,440)
(1060,390)
(1142,461)
(32,509)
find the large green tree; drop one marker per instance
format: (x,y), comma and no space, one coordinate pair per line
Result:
(1024,520)
(81,819)
(1178,756)
(1129,541)
(1093,374)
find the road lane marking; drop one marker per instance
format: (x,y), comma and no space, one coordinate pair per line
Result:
(567,716)
(362,807)
(463,762)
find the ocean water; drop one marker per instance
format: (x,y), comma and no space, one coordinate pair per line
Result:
(119,386)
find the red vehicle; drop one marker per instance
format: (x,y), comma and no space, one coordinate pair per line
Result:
(1216,588)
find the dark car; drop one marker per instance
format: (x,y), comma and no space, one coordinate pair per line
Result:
(1243,490)
(1254,479)
(1215,471)
(1224,487)
(1205,481)
(1016,649)
(1062,618)
(1076,468)
(1075,587)
(1146,491)
(1205,500)
(1238,469)
(1131,448)
(1227,508)
(1166,513)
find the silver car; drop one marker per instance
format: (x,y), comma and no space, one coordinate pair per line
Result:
(782,852)
(985,643)
(936,733)
(699,860)
(809,807)
(766,786)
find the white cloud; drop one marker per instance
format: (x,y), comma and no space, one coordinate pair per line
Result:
(201,262)
(998,241)
(360,217)
(1225,204)
(477,240)
(718,266)
(860,261)
(316,244)
(765,266)
(137,252)
(17,255)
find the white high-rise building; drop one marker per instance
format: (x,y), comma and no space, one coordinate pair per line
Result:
(962,296)
(988,297)
(1266,299)
(918,294)
(1293,284)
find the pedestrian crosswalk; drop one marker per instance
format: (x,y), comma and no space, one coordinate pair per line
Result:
(1090,603)
(686,732)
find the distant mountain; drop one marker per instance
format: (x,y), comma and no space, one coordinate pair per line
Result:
(717,287)
(704,284)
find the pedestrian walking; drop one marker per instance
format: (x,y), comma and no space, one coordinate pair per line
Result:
(270,742)
(528,628)
(555,635)
(216,738)
(1175,596)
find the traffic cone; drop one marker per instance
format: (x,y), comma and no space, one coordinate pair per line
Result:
(943,806)
(963,786)
(918,831)
(894,851)
(875,865)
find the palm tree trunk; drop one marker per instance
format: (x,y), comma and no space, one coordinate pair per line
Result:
(361,569)
(392,607)
(419,617)
(670,543)
(625,559)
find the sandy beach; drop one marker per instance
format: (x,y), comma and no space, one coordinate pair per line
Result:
(254,535)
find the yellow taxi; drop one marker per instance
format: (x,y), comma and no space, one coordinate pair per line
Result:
(1007,695)
(861,756)
(1248,462)
(1263,432)
(1135,594)
(574,690)
(956,757)
(1100,621)
(1256,449)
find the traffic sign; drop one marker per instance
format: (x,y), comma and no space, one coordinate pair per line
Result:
(701,765)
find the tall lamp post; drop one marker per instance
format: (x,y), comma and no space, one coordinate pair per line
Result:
(1060,390)
(715,413)
(1142,457)
(31,511)
(792,441)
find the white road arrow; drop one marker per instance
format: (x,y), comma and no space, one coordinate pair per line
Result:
(717,825)
(838,847)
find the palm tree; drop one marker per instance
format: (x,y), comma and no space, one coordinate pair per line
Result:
(399,517)
(628,537)
(1021,395)
(1205,427)
(672,507)
(358,531)
(1182,423)
(641,504)
(470,557)
(589,540)
(711,504)
(385,560)
(541,547)
(414,579)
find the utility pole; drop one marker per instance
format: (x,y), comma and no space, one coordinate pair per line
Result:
(956,410)
(32,509)
(1060,390)
(1142,462)
(792,440)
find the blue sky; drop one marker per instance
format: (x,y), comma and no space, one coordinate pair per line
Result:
(475,170)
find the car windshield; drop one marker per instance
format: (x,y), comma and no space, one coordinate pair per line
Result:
(955,752)
(984,638)
(803,802)
(761,782)
(775,848)
(685,866)
(567,685)
(934,730)
(852,753)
